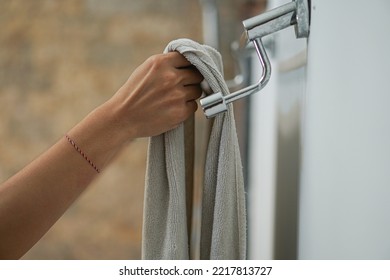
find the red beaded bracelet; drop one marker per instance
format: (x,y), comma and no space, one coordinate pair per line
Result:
(73,143)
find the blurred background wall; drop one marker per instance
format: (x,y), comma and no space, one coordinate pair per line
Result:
(61,59)
(58,61)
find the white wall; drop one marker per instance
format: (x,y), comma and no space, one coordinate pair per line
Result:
(262,161)
(345,179)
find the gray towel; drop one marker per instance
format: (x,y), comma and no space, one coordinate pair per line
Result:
(223,234)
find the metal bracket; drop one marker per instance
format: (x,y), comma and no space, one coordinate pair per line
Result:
(294,13)
(216,103)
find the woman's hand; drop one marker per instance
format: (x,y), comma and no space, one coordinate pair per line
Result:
(159,95)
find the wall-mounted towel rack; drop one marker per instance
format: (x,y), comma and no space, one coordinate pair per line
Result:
(294,13)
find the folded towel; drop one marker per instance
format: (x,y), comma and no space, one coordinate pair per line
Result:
(223,234)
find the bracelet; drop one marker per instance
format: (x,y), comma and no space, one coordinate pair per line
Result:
(82,153)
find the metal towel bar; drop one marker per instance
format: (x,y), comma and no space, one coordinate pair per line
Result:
(294,13)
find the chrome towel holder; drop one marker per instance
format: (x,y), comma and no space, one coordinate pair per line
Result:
(294,13)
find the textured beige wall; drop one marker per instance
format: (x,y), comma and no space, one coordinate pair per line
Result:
(58,61)
(61,59)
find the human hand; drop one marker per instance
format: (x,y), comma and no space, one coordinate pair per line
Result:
(159,95)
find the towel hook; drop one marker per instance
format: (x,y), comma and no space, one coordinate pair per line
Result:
(294,13)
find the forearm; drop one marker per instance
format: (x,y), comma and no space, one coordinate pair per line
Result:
(36,197)
(157,97)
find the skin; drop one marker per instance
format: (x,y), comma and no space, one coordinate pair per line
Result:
(158,96)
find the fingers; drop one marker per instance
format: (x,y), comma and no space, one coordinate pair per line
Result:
(193,92)
(192,107)
(178,60)
(190,76)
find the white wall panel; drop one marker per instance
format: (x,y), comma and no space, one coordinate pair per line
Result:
(345,179)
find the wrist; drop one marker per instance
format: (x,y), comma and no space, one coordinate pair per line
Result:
(113,124)
(100,135)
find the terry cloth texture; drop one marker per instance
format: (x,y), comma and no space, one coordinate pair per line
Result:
(223,233)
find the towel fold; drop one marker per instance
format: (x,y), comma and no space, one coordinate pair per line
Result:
(223,233)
